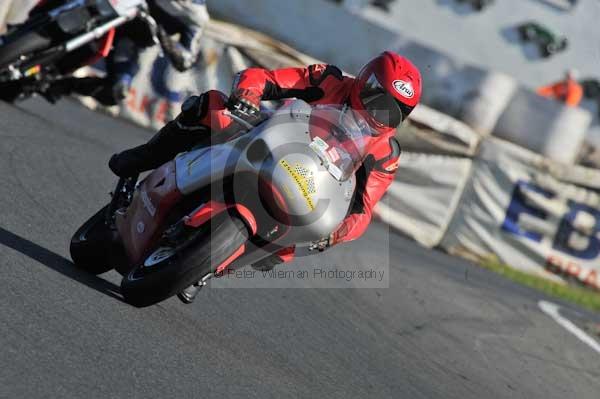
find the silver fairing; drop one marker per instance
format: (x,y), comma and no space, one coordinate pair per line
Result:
(278,151)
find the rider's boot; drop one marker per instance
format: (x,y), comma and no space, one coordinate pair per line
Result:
(164,146)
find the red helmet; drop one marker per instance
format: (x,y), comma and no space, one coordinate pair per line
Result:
(387,88)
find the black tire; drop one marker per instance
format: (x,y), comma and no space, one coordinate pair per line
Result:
(12,91)
(91,245)
(26,43)
(146,286)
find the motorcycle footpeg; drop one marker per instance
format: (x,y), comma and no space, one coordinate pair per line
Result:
(189,294)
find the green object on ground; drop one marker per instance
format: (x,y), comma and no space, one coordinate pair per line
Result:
(587,298)
(548,42)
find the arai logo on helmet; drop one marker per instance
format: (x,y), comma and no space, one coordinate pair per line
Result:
(404,88)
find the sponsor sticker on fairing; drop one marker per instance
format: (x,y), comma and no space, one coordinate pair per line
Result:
(304,179)
(319,143)
(405,89)
(335,171)
(320,148)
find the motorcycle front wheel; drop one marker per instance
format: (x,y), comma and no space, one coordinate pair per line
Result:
(167,271)
(91,245)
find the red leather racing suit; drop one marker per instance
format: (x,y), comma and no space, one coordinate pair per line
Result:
(317,84)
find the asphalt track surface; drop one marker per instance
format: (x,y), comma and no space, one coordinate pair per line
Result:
(443,328)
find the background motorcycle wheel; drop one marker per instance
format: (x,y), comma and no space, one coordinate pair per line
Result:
(91,245)
(17,90)
(18,44)
(14,47)
(170,273)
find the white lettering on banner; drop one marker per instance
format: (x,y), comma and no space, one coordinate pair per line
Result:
(578,233)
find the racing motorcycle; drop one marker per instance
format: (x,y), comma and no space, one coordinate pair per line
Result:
(60,37)
(289,181)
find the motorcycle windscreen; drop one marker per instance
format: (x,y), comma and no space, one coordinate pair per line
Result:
(341,138)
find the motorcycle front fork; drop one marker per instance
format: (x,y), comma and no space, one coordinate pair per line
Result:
(121,197)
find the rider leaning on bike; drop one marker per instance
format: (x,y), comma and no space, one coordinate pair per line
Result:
(386,91)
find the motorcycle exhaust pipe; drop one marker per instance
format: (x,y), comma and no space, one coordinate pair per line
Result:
(100,31)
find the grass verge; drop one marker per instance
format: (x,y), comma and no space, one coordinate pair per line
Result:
(581,296)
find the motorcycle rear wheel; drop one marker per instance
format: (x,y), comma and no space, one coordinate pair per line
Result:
(165,273)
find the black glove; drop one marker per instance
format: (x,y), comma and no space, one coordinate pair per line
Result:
(116,166)
(244,110)
(192,111)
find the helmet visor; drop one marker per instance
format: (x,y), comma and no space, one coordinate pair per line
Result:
(381,104)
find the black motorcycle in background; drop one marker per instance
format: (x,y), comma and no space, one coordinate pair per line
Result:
(60,37)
